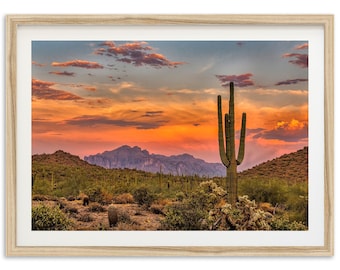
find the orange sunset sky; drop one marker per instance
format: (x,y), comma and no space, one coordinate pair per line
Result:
(93,96)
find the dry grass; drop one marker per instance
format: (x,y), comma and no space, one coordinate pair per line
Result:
(123,198)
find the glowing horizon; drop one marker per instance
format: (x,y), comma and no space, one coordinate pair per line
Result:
(93,96)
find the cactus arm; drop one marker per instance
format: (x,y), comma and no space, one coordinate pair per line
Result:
(223,155)
(231,123)
(240,155)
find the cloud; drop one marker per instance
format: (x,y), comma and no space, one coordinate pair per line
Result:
(141,99)
(292,131)
(94,120)
(44,90)
(299,59)
(90,88)
(78,63)
(254,130)
(152,113)
(242,80)
(135,53)
(64,73)
(38,64)
(293,81)
(301,46)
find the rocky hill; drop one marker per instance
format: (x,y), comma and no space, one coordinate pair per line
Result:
(60,157)
(136,158)
(290,167)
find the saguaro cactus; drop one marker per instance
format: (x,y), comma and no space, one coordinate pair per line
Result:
(227,144)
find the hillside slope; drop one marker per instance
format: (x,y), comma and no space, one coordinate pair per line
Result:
(289,167)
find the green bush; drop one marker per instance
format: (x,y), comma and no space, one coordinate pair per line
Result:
(290,197)
(95,194)
(283,224)
(183,216)
(48,219)
(193,212)
(180,196)
(273,191)
(144,196)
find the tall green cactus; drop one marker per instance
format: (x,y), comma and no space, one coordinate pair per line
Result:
(227,148)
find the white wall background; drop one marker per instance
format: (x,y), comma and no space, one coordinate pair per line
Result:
(165,7)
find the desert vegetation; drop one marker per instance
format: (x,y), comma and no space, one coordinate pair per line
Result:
(70,194)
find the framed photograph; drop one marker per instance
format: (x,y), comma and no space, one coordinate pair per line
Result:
(169,135)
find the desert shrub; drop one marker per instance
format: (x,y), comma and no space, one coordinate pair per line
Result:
(143,196)
(180,196)
(107,197)
(124,198)
(96,207)
(193,212)
(39,197)
(71,198)
(47,218)
(157,209)
(273,191)
(124,217)
(71,210)
(206,209)
(181,216)
(95,194)
(244,215)
(86,218)
(292,197)
(41,186)
(297,203)
(282,223)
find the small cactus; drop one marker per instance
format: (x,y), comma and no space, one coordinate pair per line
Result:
(86,200)
(112,215)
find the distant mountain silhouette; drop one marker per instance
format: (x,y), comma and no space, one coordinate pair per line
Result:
(136,158)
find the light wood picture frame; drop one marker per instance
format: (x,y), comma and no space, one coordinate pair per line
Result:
(323,23)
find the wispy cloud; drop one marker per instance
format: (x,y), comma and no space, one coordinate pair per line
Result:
(38,64)
(64,73)
(292,81)
(135,53)
(301,46)
(299,59)
(78,63)
(44,90)
(90,88)
(152,113)
(242,80)
(94,120)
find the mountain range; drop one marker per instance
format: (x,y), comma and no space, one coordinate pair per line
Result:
(136,158)
(292,167)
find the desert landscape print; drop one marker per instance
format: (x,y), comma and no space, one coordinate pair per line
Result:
(169,135)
